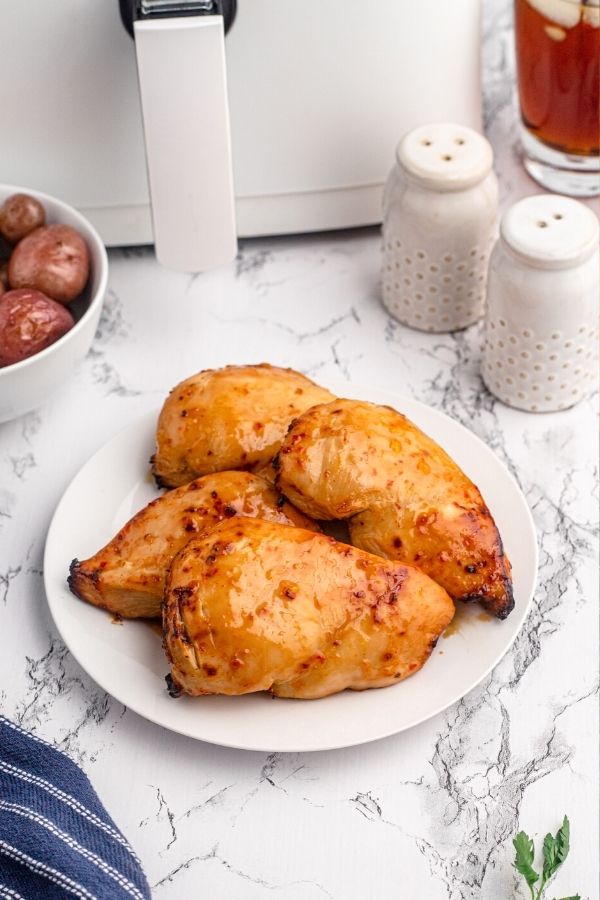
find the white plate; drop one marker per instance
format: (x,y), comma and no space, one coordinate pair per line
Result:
(127,661)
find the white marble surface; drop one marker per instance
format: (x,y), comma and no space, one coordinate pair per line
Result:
(428,813)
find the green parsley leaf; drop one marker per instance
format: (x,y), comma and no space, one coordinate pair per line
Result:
(562,841)
(551,862)
(524,857)
(556,849)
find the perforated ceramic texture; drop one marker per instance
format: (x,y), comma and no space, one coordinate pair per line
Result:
(438,230)
(541,329)
(441,293)
(538,375)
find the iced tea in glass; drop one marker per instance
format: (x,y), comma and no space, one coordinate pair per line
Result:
(558,68)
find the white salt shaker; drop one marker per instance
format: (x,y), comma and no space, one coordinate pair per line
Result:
(440,208)
(541,327)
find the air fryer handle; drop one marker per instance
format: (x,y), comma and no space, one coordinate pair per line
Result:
(183,89)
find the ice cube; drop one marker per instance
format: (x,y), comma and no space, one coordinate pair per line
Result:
(591,13)
(561,12)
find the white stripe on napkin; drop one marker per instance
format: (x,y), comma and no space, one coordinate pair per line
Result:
(74,845)
(8,894)
(68,799)
(51,874)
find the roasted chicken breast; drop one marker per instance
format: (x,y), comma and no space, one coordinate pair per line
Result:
(404,497)
(128,575)
(231,418)
(258,606)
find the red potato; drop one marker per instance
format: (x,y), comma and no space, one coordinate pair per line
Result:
(3,277)
(53,259)
(19,215)
(29,322)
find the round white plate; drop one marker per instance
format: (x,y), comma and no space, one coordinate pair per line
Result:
(127,660)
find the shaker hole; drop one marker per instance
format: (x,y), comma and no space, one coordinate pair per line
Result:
(541,224)
(557,216)
(446,157)
(459,141)
(426,142)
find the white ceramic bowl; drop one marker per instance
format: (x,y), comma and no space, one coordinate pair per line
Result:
(26,385)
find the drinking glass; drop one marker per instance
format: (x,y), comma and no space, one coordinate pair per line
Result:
(558,66)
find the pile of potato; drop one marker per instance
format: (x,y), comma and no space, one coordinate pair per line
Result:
(42,269)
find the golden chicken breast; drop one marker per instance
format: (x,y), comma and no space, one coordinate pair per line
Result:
(258,606)
(231,418)
(404,497)
(128,575)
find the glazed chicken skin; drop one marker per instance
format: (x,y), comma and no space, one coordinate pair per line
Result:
(258,606)
(128,575)
(230,418)
(404,497)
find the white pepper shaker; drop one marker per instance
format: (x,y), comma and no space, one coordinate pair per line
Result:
(541,326)
(440,208)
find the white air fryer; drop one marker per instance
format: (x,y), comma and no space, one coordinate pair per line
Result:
(209,121)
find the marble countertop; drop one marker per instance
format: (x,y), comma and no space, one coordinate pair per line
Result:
(426,814)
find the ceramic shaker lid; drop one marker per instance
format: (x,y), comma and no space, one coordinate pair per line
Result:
(444,156)
(550,231)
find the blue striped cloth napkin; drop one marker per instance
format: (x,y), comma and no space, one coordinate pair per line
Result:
(56,838)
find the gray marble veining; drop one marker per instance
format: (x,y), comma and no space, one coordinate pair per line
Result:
(426,814)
